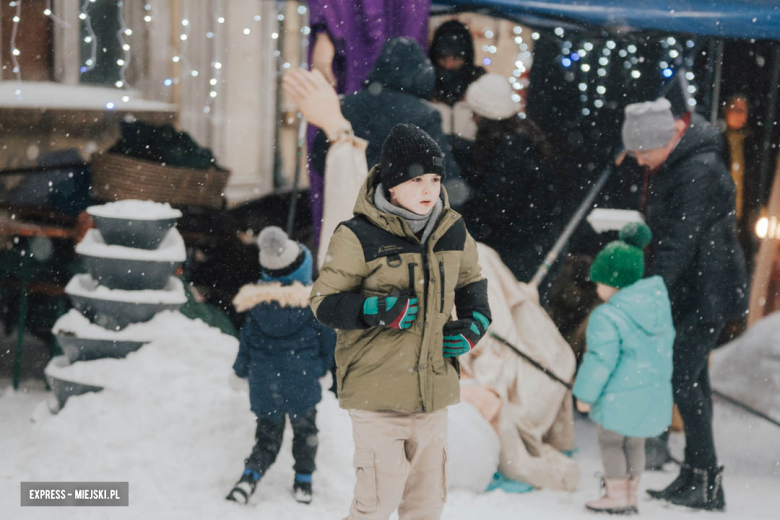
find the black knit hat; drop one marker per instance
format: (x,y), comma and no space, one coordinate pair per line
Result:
(409,152)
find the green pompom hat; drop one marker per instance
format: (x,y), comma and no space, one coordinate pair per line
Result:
(622,262)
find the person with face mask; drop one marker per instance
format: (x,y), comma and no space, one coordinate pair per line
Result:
(452,53)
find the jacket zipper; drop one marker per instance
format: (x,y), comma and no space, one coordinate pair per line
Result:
(441,275)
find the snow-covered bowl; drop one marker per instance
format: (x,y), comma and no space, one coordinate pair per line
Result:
(140,224)
(128,268)
(63,384)
(81,340)
(115,309)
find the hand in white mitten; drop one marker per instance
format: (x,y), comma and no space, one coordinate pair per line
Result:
(238,384)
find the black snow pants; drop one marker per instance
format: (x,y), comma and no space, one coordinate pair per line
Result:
(268,442)
(692,391)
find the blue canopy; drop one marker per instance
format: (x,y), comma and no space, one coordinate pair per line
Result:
(758,19)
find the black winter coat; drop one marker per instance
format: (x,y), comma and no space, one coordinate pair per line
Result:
(512,207)
(396,92)
(691,211)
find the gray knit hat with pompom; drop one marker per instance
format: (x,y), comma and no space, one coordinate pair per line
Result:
(277,251)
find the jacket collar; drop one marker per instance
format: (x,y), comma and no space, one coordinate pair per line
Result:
(294,295)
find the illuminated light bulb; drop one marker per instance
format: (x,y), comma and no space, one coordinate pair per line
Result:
(598,103)
(558,31)
(673,53)
(585,111)
(168,82)
(126,47)
(691,102)
(47,12)
(217,65)
(221,19)
(119,84)
(274,36)
(147,18)
(585,67)
(588,46)
(213,81)
(258,17)
(280,17)
(517,30)
(488,34)
(670,40)
(691,89)
(129,32)
(194,73)
(16,19)
(663,65)
(110,105)
(636,74)
(610,44)
(583,87)
(82,16)
(213,93)
(689,76)
(209,35)
(602,72)
(183,37)
(535,36)
(667,73)
(175,59)
(88,39)
(16,52)
(601,89)
(603,61)
(125,98)
(247,31)
(185,22)
(632,49)
(120,62)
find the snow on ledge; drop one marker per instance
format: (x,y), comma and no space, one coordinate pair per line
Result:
(83,285)
(57,96)
(75,323)
(133,209)
(171,249)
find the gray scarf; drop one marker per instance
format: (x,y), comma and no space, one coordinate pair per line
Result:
(416,222)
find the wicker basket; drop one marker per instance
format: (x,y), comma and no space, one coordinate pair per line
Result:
(119,177)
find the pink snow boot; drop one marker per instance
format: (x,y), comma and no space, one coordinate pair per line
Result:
(615,500)
(633,490)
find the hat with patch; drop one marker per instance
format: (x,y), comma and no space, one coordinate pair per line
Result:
(409,152)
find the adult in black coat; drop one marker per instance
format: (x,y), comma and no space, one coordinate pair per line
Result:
(690,206)
(396,92)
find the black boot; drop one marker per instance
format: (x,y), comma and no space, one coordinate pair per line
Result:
(302,492)
(245,487)
(675,487)
(704,491)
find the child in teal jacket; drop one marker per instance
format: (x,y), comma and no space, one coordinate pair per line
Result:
(625,380)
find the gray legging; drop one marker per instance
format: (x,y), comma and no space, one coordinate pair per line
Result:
(621,455)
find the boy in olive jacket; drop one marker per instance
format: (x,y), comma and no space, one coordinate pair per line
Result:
(389,283)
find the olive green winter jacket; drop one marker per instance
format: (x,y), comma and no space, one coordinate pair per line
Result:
(376,254)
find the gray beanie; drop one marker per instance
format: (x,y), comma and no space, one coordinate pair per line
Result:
(277,251)
(648,125)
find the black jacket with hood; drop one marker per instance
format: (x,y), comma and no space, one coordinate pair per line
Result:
(691,210)
(396,92)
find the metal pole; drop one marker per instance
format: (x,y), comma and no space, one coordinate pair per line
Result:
(769,124)
(297,179)
(716,82)
(531,360)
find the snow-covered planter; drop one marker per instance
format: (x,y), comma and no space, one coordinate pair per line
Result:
(116,309)
(134,223)
(128,268)
(62,383)
(81,340)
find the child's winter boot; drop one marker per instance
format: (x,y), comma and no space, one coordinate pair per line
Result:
(615,499)
(633,490)
(245,487)
(302,488)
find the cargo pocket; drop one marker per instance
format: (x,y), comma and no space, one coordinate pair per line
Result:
(365,485)
(444,481)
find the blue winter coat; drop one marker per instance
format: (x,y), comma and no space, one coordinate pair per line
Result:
(626,374)
(283,349)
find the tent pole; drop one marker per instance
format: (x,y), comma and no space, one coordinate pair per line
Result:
(769,124)
(717,81)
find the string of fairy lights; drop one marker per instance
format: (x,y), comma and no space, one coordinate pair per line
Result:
(589,62)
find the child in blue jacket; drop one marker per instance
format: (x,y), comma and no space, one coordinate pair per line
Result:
(625,380)
(283,352)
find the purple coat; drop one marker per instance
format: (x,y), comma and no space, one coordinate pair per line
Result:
(358,30)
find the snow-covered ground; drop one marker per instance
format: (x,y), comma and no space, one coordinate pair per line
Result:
(169,424)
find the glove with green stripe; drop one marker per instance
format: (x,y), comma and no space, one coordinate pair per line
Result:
(390,311)
(461,336)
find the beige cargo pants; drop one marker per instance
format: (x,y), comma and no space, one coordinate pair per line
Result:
(400,463)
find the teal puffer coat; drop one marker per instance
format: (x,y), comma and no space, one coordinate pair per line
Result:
(626,374)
